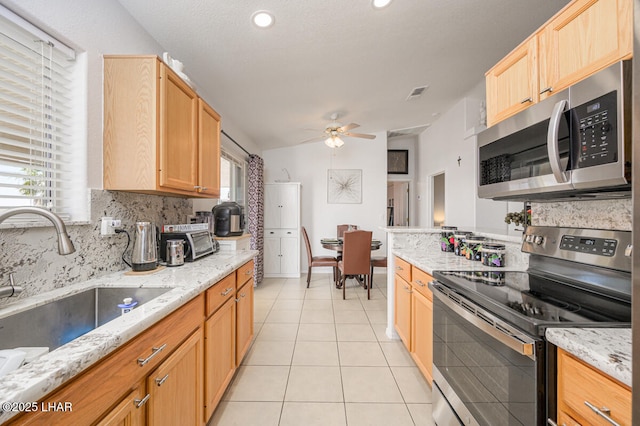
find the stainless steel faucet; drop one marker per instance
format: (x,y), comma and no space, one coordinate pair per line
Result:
(65,246)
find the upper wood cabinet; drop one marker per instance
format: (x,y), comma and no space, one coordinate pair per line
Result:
(583,38)
(512,85)
(159,137)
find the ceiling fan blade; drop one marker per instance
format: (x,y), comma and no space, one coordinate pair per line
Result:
(316,139)
(359,135)
(348,127)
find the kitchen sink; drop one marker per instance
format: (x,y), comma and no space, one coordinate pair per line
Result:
(61,321)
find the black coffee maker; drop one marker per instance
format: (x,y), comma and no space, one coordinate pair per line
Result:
(229,219)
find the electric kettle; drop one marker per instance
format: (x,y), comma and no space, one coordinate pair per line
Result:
(144,256)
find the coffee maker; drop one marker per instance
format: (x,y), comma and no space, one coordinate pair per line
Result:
(229,219)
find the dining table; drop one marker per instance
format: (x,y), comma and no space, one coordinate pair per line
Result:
(336,245)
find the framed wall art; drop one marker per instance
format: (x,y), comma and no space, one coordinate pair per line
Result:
(398,161)
(344,186)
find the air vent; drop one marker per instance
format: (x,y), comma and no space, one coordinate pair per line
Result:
(417,92)
(407,132)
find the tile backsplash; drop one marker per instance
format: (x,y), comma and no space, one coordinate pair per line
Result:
(31,253)
(595,214)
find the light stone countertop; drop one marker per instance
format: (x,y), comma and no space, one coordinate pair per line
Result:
(485,233)
(36,379)
(430,261)
(606,349)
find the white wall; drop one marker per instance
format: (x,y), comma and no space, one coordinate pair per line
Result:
(309,163)
(409,143)
(450,138)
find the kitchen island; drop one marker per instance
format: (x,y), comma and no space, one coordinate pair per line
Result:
(40,377)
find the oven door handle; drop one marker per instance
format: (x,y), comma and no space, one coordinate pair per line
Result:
(485,321)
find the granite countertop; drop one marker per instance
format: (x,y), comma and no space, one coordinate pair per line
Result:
(494,235)
(438,260)
(606,349)
(36,379)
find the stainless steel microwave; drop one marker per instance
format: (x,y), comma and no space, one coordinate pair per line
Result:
(574,144)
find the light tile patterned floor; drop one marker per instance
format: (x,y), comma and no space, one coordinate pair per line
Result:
(320,360)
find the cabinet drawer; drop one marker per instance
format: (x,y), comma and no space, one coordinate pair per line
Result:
(579,383)
(244,273)
(403,269)
(420,281)
(99,388)
(219,293)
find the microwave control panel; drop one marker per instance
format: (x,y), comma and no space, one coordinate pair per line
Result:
(597,246)
(597,135)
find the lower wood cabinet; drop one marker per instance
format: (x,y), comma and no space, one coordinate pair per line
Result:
(582,390)
(173,373)
(413,314)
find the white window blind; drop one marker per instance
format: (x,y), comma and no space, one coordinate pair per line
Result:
(38,101)
(232,178)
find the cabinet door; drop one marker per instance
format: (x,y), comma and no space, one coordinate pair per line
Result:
(219,353)
(512,84)
(208,150)
(587,36)
(402,314)
(176,386)
(290,207)
(130,411)
(272,206)
(271,255)
(422,333)
(289,248)
(244,320)
(178,135)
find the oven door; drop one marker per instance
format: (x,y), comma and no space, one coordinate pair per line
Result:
(486,371)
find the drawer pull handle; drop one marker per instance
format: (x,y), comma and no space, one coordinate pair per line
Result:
(407,289)
(155,351)
(602,412)
(399,268)
(140,402)
(159,382)
(248,272)
(197,187)
(227,291)
(524,101)
(420,283)
(548,89)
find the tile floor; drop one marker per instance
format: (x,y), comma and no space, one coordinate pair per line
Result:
(320,360)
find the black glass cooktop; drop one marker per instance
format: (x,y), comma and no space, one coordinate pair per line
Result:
(533,302)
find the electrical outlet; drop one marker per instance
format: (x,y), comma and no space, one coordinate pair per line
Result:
(108,226)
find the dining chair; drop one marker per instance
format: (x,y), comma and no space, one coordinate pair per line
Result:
(377,262)
(356,258)
(342,228)
(318,260)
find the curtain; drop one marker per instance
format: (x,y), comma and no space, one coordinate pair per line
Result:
(256,213)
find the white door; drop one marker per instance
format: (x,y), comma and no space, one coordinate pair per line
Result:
(271,255)
(290,261)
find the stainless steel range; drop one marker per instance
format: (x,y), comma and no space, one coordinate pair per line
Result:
(492,365)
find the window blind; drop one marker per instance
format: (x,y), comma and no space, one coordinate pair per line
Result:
(37,101)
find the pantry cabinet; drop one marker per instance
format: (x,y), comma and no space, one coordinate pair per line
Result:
(159,136)
(581,39)
(282,230)
(281,253)
(582,390)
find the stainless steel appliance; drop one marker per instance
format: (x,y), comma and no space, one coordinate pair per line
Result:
(574,143)
(196,244)
(175,252)
(229,219)
(144,256)
(491,363)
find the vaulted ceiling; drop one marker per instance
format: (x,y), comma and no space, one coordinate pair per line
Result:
(320,57)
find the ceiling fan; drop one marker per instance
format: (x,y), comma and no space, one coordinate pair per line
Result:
(334,130)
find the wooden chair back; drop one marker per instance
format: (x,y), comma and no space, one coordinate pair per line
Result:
(356,252)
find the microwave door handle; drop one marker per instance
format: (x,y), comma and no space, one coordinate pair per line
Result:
(552,141)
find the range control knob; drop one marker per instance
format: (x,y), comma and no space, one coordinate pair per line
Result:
(538,239)
(529,238)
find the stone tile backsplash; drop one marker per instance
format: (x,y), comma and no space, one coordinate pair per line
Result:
(31,253)
(595,214)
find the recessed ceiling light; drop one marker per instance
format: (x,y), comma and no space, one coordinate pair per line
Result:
(262,19)
(379,4)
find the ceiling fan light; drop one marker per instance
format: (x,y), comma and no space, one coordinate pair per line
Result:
(330,143)
(262,19)
(338,142)
(379,4)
